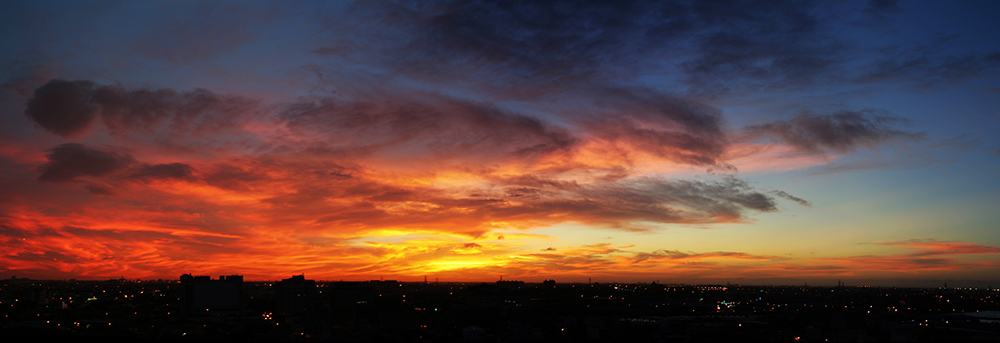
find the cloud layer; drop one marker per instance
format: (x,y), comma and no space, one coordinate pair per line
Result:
(454,137)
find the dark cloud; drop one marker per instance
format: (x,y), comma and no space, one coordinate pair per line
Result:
(841,132)
(777,43)
(70,161)
(363,202)
(670,127)
(68,108)
(524,49)
(64,107)
(551,39)
(624,203)
(430,126)
(785,195)
(179,171)
(685,200)
(99,189)
(143,110)
(553,45)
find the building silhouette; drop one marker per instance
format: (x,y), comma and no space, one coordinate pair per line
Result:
(202,295)
(295,295)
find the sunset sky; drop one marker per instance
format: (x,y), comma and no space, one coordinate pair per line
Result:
(685,142)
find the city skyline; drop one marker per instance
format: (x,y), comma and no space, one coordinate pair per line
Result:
(627,142)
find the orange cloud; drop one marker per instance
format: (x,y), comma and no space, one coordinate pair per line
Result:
(406,185)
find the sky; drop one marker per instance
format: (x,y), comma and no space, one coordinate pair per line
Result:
(774,142)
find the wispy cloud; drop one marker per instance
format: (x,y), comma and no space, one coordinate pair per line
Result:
(838,133)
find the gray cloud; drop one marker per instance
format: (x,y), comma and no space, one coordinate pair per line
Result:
(840,132)
(178,171)
(776,43)
(554,40)
(99,189)
(681,130)
(68,162)
(63,107)
(626,204)
(785,195)
(619,204)
(143,110)
(642,119)
(524,48)
(431,126)
(71,161)
(68,108)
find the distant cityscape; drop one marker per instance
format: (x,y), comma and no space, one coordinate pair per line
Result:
(203,308)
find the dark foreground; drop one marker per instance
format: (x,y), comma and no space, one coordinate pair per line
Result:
(490,312)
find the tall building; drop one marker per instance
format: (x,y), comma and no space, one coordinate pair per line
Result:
(202,295)
(295,295)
